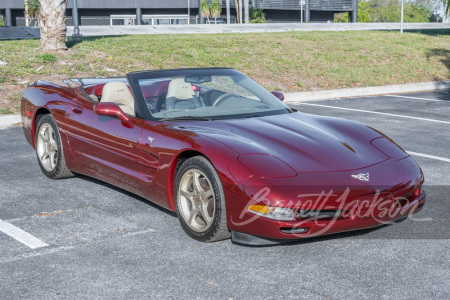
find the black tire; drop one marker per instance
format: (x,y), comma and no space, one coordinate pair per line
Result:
(60,169)
(218,229)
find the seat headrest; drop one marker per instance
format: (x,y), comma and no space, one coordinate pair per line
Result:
(119,93)
(180,89)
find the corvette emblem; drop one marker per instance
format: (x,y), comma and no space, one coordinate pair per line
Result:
(362,176)
(150,139)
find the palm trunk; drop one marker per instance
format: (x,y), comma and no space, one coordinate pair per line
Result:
(53,25)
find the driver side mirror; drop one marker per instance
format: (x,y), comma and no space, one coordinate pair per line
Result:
(110,109)
(279,95)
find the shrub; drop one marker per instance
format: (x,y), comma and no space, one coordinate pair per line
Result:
(48,58)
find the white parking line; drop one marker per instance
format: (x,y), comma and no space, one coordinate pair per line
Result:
(376,112)
(429,156)
(417,98)
(21,236)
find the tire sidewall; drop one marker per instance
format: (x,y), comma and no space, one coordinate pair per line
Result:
(51,121)
(206,167)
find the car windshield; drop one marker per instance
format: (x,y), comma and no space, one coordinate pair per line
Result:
(205,95)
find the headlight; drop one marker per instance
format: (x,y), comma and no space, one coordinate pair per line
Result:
(389,147)
(266,166)
(271,212)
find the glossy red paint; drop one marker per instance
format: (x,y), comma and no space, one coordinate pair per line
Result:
(279,95)
(105,109)
(321,154)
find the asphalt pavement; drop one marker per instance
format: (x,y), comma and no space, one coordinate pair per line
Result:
(103,242)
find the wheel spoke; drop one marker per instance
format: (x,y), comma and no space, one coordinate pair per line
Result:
(207,194)
(43,132)
(53,144)
(188,195)
(205,215)
(197,184)
(192,215)
(44,156)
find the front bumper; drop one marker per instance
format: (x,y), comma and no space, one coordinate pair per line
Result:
(273,234)
(399,179)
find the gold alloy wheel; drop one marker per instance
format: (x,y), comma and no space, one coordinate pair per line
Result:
(47,148)
(196,200)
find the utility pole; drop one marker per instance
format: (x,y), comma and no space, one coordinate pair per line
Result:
(246,11)
(301,11)
(240,11)
(228,11)
(189,11)
(401,20)
(76,25)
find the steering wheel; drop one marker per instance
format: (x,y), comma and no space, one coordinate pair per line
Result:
(226,95)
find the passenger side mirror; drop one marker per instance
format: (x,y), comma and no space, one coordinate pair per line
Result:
(279,95)
(110,109)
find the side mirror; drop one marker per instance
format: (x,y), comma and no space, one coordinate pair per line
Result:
(110,109)
(279,95)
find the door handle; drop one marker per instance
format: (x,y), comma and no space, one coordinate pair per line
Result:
(77,109)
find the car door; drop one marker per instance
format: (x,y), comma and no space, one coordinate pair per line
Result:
(105,144)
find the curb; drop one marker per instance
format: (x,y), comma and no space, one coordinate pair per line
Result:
(8,120)
(366,91)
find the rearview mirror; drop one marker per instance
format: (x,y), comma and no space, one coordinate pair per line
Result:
(110,109)
(279,95)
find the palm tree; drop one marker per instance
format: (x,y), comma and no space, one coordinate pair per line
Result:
(206,9)
(33,9)
(446,7)
(216,10)
(236,4)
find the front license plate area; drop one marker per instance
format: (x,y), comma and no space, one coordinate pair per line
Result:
(378,206)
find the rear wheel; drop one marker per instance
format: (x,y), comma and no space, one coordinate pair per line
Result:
(200,201)
(49,149)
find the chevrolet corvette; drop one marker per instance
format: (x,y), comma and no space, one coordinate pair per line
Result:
(228,156)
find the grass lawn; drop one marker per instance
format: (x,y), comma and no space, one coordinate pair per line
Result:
(290,61)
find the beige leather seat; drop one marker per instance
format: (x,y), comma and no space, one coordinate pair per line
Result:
(181,95)
(119,93)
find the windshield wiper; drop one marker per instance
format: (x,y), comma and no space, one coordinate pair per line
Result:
(254,116)
(186,118)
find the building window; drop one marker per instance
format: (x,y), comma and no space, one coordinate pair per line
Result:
(150,19)
(123,19)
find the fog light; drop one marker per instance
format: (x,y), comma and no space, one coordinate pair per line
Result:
(276,213)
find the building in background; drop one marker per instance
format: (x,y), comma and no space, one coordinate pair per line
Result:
(159,12)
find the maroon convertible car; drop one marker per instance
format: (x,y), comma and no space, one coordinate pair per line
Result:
(227,155)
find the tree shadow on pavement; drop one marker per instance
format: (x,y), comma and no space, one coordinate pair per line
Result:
(443,55)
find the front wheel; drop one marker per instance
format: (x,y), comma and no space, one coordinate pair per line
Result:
(49,149)
(200,201)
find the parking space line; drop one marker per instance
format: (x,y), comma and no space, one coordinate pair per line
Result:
(376,112)
(417,98)
(21,236)
(429,156)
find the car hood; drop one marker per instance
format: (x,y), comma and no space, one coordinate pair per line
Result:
(305,142)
